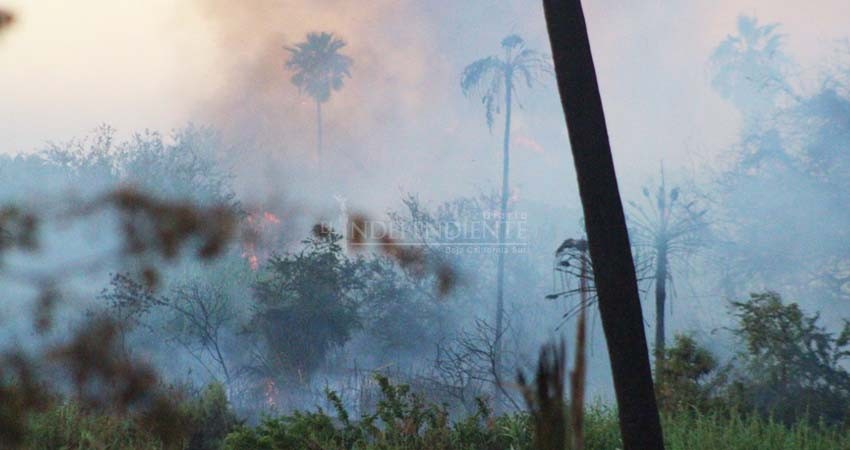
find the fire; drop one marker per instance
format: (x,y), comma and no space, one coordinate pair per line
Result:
(253,262)
(271,392)
(271,218)
(260,227)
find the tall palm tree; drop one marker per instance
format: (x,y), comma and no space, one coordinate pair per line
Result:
(665,227)
(495,79)
(605,223)
(319,69)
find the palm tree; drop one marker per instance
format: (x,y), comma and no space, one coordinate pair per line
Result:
(319,70)
(666,227)
(495,80)
(605,223)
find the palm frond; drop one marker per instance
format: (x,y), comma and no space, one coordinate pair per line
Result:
(485,78)
(513,41)
(319,67)
(489,76)
(479,72)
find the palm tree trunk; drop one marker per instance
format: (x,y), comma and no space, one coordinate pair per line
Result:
(503,213)
(578,377)
(319,130)
(608,238)
(660,301)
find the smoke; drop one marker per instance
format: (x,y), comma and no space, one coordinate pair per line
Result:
(400,124)
(398,75)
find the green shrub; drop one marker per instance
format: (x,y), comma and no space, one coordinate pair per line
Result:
(689,378)
(65,426)
(793,365)
(683,430)
(729,430)
(306,305)
(195,424)
(211,419)
(402,420)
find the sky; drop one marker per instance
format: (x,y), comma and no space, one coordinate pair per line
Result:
(401,124)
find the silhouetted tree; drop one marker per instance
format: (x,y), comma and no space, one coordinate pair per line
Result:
(790,167)
(199,319)
(319,70)
(665,226)
(794,366)
(750,67)
(306,306)
(495,79)
(605,221)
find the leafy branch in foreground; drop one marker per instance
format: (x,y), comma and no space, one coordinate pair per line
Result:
(545,399)
(90,362)
(6,19)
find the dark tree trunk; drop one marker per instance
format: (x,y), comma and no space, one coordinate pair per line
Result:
(579,375)
(610,252)
(503,212)
(660,305)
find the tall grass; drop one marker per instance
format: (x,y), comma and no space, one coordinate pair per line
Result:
(721,431)
(67,427)
(750,432)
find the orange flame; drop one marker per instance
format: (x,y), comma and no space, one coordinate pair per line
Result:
(271,393)
(260,226)
(271,218)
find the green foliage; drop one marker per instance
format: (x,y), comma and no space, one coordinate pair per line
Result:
(306,304)
(601,429)
(67,427)
(793,364)
(402,420)
(790,369)
(688,379)
(730,430)
(199,424)
(211,419)
(399,312)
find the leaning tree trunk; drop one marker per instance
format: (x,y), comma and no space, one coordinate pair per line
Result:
(610,252)
(503,212)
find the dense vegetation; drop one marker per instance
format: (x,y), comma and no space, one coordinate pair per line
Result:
(705,405)
(403,421)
